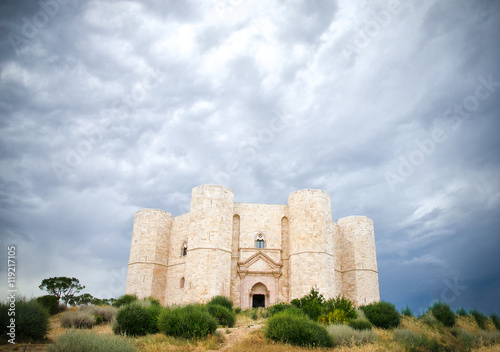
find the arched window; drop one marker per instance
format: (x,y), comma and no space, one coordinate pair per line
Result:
(182,282)
(184,249)
(260,242)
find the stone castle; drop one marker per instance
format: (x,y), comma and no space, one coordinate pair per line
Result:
(256,254)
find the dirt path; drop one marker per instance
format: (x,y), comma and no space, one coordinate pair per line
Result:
(236,334)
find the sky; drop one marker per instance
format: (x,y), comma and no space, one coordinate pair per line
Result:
(391,107)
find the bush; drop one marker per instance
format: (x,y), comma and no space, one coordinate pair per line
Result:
(297,330)
(344,335)
(342,304)
(382,314)
(192,321)
(495,320)
(237,310)
(80,319)
(222,301)
(466,338)
(407,312)
(415,342)
(123,300)
(153,301)
(335,317)
(487,338)
(77,341)
(224,316)
(430,319)
(311,304)
(280,307)
(138,318)
(32,320)
(443,313)
(106,312)
(462,312)
(479,317)
(49,302)
(360,324)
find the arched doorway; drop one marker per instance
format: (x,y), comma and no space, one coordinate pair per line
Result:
(259,295)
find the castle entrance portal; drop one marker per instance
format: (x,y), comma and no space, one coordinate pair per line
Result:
(258,301)
(259,295)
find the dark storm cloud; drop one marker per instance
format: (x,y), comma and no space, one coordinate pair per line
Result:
(108,107)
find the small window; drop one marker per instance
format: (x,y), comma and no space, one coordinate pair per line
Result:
(260,242)
(182,282)
(184,250)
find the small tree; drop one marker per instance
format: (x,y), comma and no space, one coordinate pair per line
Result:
(80,300)
(64,288)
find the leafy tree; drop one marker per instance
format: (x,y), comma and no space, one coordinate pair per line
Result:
(84,299)
(64,288)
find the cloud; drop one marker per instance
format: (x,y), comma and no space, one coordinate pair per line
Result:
(110,107)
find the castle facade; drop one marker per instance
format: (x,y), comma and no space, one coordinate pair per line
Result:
(256,254)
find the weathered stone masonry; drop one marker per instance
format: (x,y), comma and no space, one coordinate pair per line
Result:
(256,254)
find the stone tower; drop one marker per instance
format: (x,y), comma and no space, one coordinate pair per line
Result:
(256,254)
(311,243)
(209,244)
(147,268)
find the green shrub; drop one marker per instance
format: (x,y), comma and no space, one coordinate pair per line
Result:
(153,301)
(465,337)
(430,319)
(495,320)
(360,324)
(256,313)
(106,312)
(297,330)
(280,307)
(222,301)
(487,338)
(49,302)
(407,312)
(98,319)
(31,320)
(479,317)
(77,341)
(340,303)
(224,316)
(123,300)
(192,321)
(443,313)
(415,342)
(382,314)
(138,318)
(311,304)
(462,312)
(80,319)
(343,335)
(237,310)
